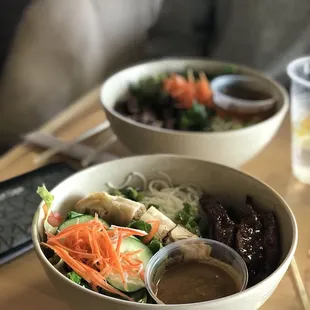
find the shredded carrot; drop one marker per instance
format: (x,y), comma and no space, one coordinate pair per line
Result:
(130,231)
(133,253)
(119,242)
(129,261)
(180,89)
(203,91)
(155,226)
(79,253)
(93,251)
(185,91)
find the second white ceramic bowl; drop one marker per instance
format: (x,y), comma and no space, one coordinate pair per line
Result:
(232,148)
(230,185)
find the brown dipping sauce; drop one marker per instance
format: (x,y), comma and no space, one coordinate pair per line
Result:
(245,117)
(245,93)
(195,281)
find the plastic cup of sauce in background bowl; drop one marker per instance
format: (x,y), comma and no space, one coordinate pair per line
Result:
(195,270)
(242,96)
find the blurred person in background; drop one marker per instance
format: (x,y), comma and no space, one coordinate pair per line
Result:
(61,49)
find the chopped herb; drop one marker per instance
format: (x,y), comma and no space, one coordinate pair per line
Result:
(128,192)
(141,225)
(115,192)
(155,245)
(73,276)
(188,218)
(73,214)
(132,194)
(195,118)
(187,207)
(148,91)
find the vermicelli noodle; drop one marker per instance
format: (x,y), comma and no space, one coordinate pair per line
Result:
(161,192)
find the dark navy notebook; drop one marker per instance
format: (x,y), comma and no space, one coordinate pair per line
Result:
(18,203)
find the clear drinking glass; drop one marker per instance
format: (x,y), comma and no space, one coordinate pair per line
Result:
(299,72)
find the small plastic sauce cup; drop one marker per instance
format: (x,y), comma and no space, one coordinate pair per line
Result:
(223,88)
(193,249)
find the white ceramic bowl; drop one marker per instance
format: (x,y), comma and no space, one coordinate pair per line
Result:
(232,148)
(230,185)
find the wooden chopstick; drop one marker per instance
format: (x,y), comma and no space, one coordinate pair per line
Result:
(13,155)
(300,285)
(74,111)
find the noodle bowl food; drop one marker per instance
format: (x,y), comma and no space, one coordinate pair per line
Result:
(174,106)
(99,230)
(185,101)
(161,192)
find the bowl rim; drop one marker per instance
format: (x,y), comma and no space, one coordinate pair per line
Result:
(190,60)
(228,299)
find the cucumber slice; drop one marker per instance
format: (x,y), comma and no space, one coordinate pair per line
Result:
(134,284)
(77,220)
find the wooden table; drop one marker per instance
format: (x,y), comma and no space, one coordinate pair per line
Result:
(23,284)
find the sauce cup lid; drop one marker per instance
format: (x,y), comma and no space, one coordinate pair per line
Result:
(193,249)
(246,106)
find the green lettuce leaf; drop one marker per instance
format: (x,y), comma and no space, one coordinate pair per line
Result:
(141,225)
(155,245)
(73,214)
(73,276)
(45,195)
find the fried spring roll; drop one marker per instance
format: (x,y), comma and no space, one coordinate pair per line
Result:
(166,225)
(113,209)
(179,233)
